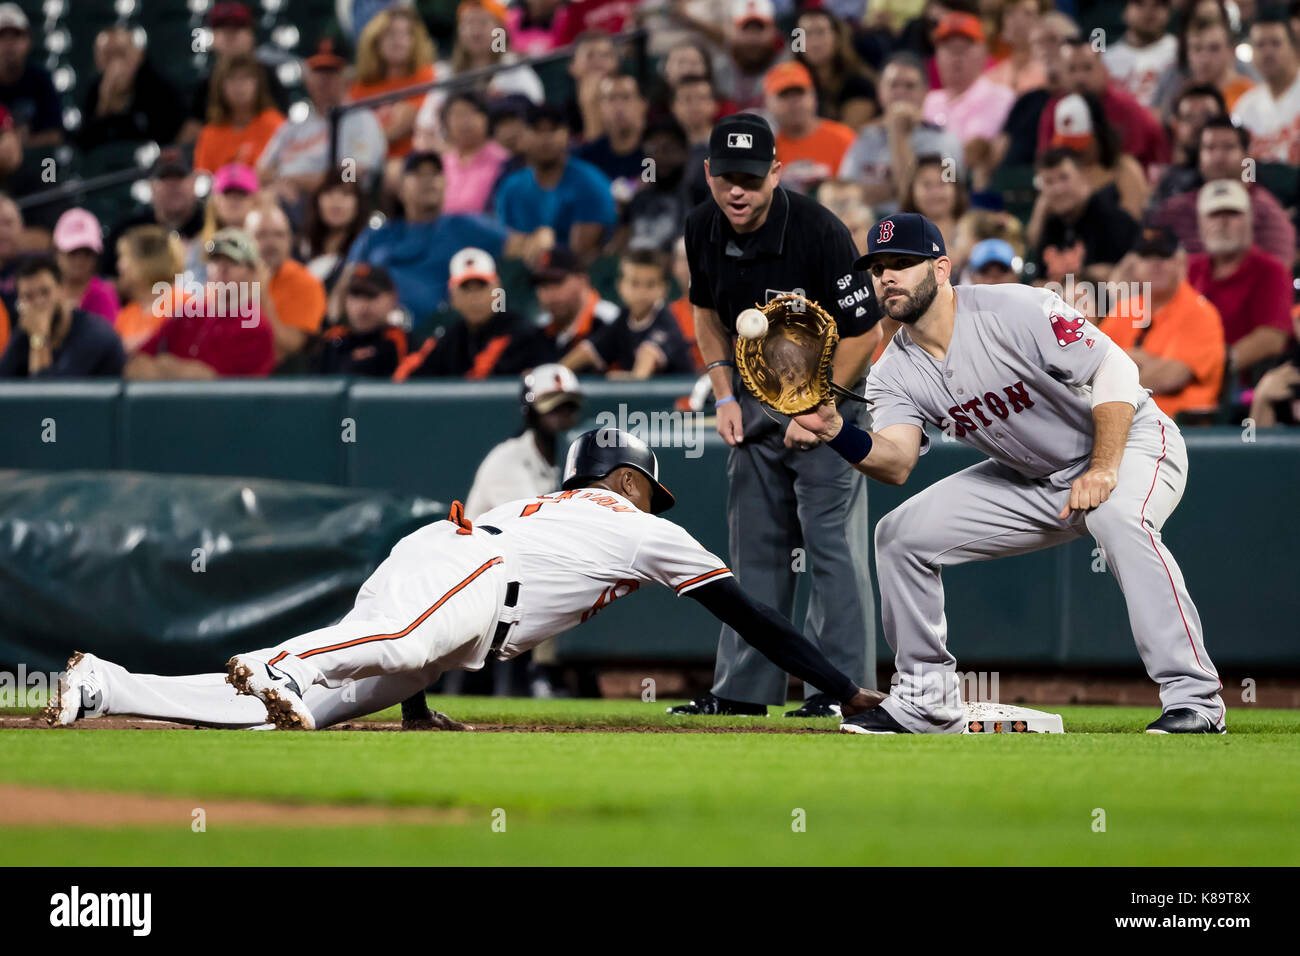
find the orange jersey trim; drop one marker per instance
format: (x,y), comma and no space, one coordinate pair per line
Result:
(410,627)
(701,578)
(413,361)
(487,359)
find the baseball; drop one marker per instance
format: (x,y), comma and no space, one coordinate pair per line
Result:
(750,324)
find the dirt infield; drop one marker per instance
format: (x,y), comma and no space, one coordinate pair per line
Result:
(45,806)
(384,726)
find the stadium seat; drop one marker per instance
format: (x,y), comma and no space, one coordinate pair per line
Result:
(1282,180)
(1016,186)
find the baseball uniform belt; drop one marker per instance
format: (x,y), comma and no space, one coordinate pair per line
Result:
(511,600)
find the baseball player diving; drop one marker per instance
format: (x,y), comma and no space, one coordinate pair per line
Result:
(1075,446)
(456,592)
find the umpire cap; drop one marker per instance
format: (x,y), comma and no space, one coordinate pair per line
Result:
(596,453)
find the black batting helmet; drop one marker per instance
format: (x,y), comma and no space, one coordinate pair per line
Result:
(596,453)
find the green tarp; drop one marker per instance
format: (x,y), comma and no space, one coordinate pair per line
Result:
(172,574)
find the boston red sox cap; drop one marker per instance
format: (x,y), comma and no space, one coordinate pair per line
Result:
(907,234)
(741,143)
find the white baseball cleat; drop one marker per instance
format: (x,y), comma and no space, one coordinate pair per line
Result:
(276,689)
(80,693)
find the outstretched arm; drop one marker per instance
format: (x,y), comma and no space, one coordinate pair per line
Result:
(763,628)
(888,455)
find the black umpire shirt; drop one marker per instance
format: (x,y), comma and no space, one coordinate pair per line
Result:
(801,247)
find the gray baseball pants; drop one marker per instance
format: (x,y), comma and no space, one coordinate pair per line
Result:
(792,513)
(991,511)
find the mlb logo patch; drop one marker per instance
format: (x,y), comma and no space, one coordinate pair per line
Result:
(740,141)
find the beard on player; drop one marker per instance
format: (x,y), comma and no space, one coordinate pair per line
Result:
(908,305)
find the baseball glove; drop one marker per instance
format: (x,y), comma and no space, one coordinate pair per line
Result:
(788,367)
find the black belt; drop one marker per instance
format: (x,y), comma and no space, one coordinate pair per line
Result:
(503,627)
(512,598)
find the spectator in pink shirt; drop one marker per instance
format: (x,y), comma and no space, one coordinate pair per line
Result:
(79,242)
(531,27)
(967,104)
(472,160)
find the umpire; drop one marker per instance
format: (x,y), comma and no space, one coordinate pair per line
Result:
(792,504)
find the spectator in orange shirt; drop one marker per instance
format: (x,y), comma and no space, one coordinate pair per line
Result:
(681,308)
(808,147)
(148,258)
(4,327)
(394,51)
(1178,345)
(298,295)
(242,117)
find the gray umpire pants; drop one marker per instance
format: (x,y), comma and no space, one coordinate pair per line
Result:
(791,514)
(990,511)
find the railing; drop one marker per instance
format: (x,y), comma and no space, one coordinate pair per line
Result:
(78,187)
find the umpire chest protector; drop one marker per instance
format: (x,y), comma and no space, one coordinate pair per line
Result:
(800,248)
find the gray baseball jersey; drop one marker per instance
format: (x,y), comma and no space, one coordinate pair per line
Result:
(1014,383)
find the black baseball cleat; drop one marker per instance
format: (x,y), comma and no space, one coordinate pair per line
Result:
(877,720)
(818,705)
(711,705)
(1183,720)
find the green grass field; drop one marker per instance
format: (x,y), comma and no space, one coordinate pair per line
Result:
(726,798)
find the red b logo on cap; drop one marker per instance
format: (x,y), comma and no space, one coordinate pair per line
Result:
(886,231)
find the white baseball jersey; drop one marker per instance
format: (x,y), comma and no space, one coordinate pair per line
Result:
(574,552)
(1014,383)
(1274,124)
(513,469)
(1139,69)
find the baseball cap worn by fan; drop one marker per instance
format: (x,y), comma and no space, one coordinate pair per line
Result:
(1221,195)
(752,11)
(78,229)
(12,17)
(1156,242)
(906,234)
(233,244)
(547,387)
(326,57)
(414,161)
(990,251)
(370,281)
(556,266)
(741,143)
(235,177)
(471,263)
(958,24)
(171,161)
(790,75)
(229,14)
(1072,123)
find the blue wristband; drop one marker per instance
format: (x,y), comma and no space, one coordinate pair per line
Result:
(722,401)
(852,443)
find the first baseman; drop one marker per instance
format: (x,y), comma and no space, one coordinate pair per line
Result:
(1075,446)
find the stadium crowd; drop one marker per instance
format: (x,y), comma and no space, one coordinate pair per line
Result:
(1142,156)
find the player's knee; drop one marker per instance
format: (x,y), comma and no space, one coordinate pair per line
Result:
(1112,520)
(894,534)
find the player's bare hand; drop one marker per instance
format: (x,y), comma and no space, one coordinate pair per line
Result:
(435,720)
(824,421)
(861,701)
(796,436)
(731,425)
(1090,489)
